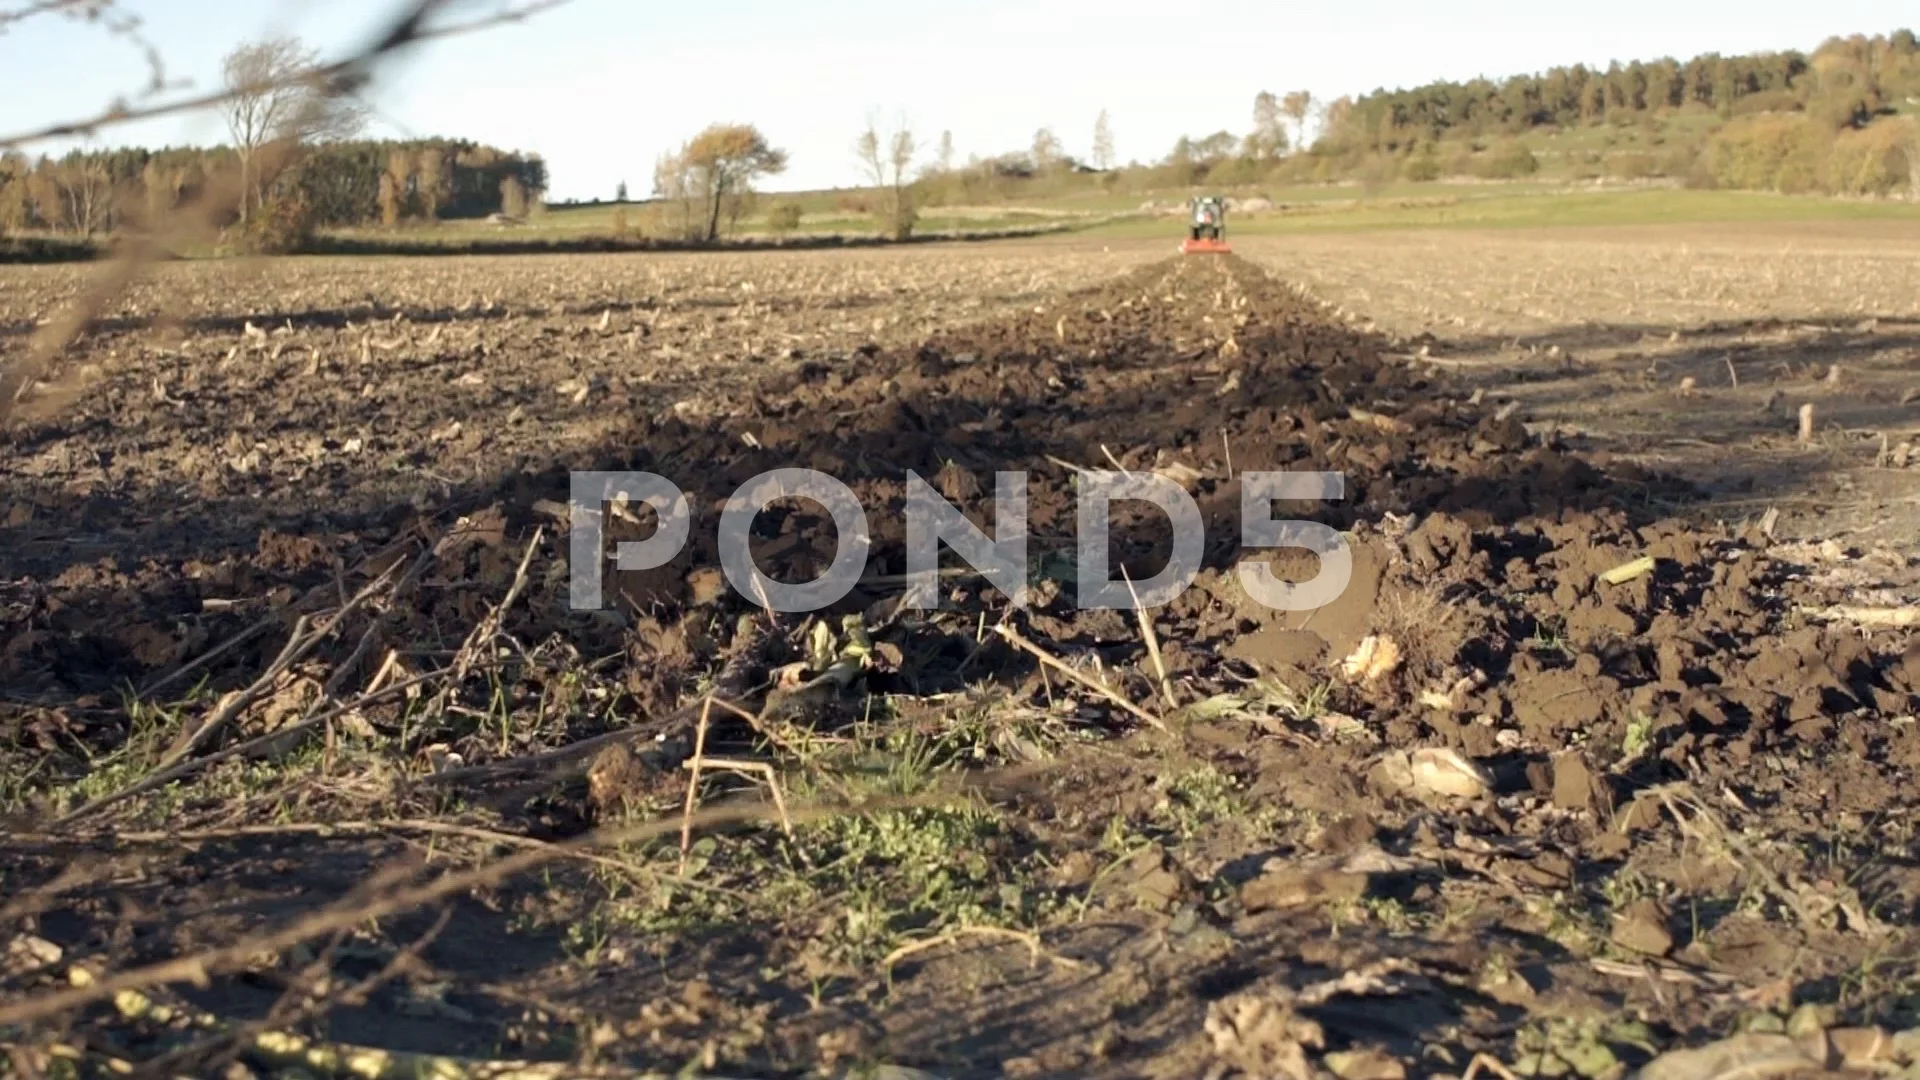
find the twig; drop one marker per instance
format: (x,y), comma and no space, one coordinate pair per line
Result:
(1153,643)
(1488,1063)
(325,829)
(1672,973)
(693,783)
(1626,572)
(757,769)
(342,74)
(38,7)
(326,921)
(299,644)
(490,625)
(534,762)
(343,77)
(207,657)
(1095,685)
(1705,826)
(194,765)
(1032,941)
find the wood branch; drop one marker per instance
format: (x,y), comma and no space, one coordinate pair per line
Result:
(341,76)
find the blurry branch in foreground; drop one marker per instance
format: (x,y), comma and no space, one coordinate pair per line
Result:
(341,77)
(326,82)
(106,13)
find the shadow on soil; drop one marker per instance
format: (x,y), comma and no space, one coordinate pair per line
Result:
(1719,404)
(1144,385)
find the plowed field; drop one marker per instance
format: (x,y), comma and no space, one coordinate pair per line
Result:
(1594,759)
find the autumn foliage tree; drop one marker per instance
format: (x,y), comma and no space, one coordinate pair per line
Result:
(433,180)
(712,175)
(396,184)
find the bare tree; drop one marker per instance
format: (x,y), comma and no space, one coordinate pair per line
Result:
(673,186)
(1047,151)
(886,162)
(1103,141)
(943,158)
(1268,139)
(273,107)
(1298,105)
(87,192)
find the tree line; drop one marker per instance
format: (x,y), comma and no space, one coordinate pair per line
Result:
(358,182)
(296,162)
(1846,82)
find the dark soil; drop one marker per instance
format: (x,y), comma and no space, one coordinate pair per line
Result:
(1683,798)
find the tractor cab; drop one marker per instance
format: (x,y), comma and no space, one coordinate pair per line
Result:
(1207,229)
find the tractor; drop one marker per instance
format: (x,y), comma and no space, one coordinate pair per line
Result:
(1207,228)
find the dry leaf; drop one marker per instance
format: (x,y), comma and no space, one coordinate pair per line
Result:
(1446,772)
(1392,425)
(1749,1056)
(1262,1036)
(1180,473)
(1364,1065)
(1376,657)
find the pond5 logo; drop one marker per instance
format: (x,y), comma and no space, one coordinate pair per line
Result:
(932,521)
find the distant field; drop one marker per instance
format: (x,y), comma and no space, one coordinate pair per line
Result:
(562,224)
(1294,208)
(1298,208)
(1540,208)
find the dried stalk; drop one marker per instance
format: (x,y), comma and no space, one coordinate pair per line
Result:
(1095,685)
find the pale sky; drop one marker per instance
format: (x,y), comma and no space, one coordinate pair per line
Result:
(601,87)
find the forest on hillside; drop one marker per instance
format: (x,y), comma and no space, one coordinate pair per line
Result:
(1846,82)
(1841,119)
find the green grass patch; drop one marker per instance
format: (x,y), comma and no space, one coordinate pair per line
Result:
(1543,209)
